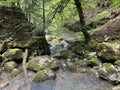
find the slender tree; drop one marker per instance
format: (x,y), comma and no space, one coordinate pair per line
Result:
(82,20)
(43,14)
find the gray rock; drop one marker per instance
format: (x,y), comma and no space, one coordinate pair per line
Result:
(12,54)
(108,51)
(106,70)
(9,66)
(41,62)
(44,75)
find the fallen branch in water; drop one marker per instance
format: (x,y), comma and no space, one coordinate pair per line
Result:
(25,56)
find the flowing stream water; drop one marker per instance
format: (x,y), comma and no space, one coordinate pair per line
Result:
(64,81)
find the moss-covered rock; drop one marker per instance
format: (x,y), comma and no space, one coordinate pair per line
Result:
(41,62)
(81,63)
(66,54)
(20,33)
(106,70)
(12,54)
(92,45)
(92,71)
(64,66)
(15,72)
(44,75)
(108,51)
(117,62)
(9,66)
(94,61)
(78,48)
(71,66)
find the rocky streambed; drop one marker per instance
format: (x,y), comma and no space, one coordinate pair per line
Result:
(63,81)
(62,70)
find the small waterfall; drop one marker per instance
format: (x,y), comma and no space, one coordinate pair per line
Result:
(56,48)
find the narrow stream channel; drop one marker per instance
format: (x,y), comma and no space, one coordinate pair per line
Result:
(64,81)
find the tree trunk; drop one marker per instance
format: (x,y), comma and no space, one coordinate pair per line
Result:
(43,15)
(82,20)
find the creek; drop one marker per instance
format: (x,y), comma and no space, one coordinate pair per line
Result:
(65,80)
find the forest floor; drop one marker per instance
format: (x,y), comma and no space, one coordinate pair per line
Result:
(111,30)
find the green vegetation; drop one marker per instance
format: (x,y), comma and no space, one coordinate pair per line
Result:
(55,14)
(70,34)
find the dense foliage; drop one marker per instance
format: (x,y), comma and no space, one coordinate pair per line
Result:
(54,14)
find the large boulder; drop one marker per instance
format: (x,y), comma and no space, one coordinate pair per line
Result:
(81,63)
(20,33)
(12,54)
(108,51)
(44,75)
(106,70)
(41,62)
(93,61)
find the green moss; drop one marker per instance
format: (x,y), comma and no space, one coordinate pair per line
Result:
(9,66)
(94,61)
(108,51)
(86,54)
(92,45)
(40,76)
(92,71)
(43,75)
(66,54)
(41,62)
(33,65)
(109,67)
(106,70)
(15,72)
(103,15)
(81,63)
(117,62)
(13,54)
(71,66)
